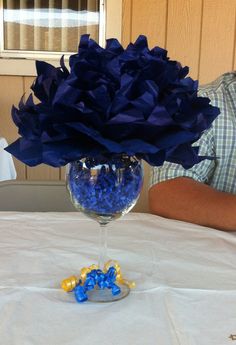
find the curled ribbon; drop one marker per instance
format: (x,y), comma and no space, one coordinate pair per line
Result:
(69,284)
(119,277)
(92,276)
(85,270)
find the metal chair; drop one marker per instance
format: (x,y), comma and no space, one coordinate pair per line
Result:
(34,196)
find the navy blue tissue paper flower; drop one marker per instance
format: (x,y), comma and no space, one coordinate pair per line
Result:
(113,100)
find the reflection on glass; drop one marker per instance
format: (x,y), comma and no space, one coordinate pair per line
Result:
(54,25)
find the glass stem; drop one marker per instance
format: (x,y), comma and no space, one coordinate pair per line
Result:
(103,245)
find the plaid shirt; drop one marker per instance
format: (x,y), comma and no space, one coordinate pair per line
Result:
(218,141)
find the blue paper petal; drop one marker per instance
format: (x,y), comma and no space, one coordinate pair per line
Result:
(113,100)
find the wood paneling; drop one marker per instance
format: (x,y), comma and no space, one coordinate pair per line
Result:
(234,57)
(113,10)
(28,81)
(11,90)
(20,169)
(183,33)
(42,172)
(62,173)
(126,22)
(198,33)
(218,36)
(149,18)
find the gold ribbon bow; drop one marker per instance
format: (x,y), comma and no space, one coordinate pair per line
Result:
(119,278)
(70,283)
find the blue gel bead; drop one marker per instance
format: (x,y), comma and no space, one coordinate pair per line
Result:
(110,191)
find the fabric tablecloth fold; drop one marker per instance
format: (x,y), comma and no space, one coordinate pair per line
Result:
(185,276)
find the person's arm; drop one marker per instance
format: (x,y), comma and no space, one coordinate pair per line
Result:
(185,199)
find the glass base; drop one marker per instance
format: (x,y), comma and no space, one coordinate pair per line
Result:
(97,295)
(105,295)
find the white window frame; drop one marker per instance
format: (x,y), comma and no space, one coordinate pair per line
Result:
(24,62)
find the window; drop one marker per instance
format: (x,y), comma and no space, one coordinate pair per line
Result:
(24,36)
(48,27)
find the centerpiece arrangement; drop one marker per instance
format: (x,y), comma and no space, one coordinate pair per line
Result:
(114,108)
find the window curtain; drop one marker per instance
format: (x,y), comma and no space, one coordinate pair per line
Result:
(11,36)
(49,25)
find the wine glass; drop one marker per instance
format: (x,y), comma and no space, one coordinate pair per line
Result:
(105,189)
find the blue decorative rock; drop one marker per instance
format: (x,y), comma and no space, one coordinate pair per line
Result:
(108,188)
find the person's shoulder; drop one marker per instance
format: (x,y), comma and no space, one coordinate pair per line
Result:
(220,85)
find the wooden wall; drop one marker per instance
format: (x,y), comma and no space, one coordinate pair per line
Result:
(198,33)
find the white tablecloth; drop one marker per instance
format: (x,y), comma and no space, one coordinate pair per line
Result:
(185,275)
(7,169)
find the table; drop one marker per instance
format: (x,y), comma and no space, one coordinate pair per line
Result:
(7,169)
(185,275)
